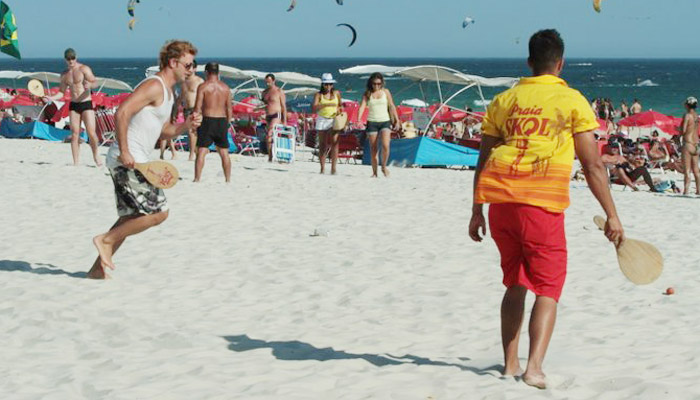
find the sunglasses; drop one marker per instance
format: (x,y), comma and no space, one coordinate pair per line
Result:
(192,65)
(377,83)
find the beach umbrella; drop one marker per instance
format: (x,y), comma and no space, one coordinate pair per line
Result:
(648,119)
(414,103)
(405,113)
(602,125)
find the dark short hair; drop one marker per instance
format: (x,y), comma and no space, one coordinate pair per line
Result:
(546,49)
(69,54)
(212,68)
(271,76)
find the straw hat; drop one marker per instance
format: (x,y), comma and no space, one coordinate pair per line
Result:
(409,129)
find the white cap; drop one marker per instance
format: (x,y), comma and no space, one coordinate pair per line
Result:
(691,101)
(327,78)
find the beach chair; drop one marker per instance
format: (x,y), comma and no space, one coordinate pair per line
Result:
(283,143)
(106,126)
(349,148)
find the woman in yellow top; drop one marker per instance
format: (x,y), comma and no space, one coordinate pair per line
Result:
(381,118)
(327,105)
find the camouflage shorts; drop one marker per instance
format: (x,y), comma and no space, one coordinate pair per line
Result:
(134,195)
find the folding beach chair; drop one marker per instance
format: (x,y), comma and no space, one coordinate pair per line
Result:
(283,143)
(106,126)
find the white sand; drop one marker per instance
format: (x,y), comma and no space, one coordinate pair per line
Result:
(231,298)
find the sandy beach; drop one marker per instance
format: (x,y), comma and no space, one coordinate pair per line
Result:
(232,298)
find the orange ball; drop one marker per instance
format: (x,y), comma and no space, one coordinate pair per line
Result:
(670,291)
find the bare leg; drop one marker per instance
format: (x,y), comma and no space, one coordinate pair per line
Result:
(97,271)
(334,151)
(107,242)
(75,136)
(162,147)
(322,144)
(373,153)
(88,117)
(270,129)
(386,143)
(687,161)
(696,173)
(199,164)
(192,136)
(512,310)
(544,314)
(225,163)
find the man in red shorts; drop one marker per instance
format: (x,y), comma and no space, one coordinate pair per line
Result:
(530,135)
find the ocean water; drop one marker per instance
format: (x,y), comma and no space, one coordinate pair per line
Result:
(661,85)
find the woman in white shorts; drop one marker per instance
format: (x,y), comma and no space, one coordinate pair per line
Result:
(381,119)
(327,105)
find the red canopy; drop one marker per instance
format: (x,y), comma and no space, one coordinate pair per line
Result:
(648,119)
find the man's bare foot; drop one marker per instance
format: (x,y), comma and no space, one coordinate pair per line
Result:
(192,158)
(161,156)
(536,380)
(373,176)
(333,172)
(508,372)
(173,157)
(385,171)
(98,162)
(97,272)
(104,250)
(195,180)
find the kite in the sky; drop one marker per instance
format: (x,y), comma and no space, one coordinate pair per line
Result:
(467,21)
(596,5)
(130,7)
(292,5)
(354,33)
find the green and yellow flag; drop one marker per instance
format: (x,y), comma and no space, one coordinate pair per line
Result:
(8,32)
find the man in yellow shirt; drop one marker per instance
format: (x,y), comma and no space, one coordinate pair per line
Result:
(530,135)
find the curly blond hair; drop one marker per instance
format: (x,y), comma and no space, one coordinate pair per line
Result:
(175,49)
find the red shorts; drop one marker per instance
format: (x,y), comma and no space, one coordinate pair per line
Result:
(532,243)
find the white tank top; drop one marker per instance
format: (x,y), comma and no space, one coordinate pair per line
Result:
(378,109)
(144,128)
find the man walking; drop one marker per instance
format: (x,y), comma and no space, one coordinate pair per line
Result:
(530,134)
(275,109)
(188,98)
(214,104)
(80,79)
(142,119)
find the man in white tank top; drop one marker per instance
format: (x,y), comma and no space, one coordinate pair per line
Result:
(142,119)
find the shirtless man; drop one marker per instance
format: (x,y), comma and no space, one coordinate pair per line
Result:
(275,109)
(636,107)
(188,97)
(624,170)
(213,102)
(691,149)
(80,79)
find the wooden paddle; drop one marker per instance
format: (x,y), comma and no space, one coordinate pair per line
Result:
(640,262)
(160,174)
(36,88)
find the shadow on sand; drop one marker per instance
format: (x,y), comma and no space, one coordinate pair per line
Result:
(43,269)
(299,351)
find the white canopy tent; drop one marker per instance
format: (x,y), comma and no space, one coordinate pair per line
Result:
(52,77)
(252,76)
(438,74)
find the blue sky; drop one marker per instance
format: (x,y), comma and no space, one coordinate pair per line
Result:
(386,28)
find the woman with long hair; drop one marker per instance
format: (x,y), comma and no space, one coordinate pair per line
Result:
(380,120)
(327,105)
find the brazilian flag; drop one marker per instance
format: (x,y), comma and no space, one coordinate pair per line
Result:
(8,32)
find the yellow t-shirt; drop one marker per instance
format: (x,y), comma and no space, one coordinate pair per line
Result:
(536,119)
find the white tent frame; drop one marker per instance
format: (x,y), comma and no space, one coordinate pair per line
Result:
(438,74)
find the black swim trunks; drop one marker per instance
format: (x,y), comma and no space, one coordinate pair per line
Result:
(213,130)
(80,107)
(270,117)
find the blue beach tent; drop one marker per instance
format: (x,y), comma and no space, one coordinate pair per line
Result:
(424,151)
(36,130)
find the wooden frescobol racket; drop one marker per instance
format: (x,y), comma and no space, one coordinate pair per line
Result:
(36,88)
(160,174)
(639,261)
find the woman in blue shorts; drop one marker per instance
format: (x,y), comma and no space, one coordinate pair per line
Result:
(381,119)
